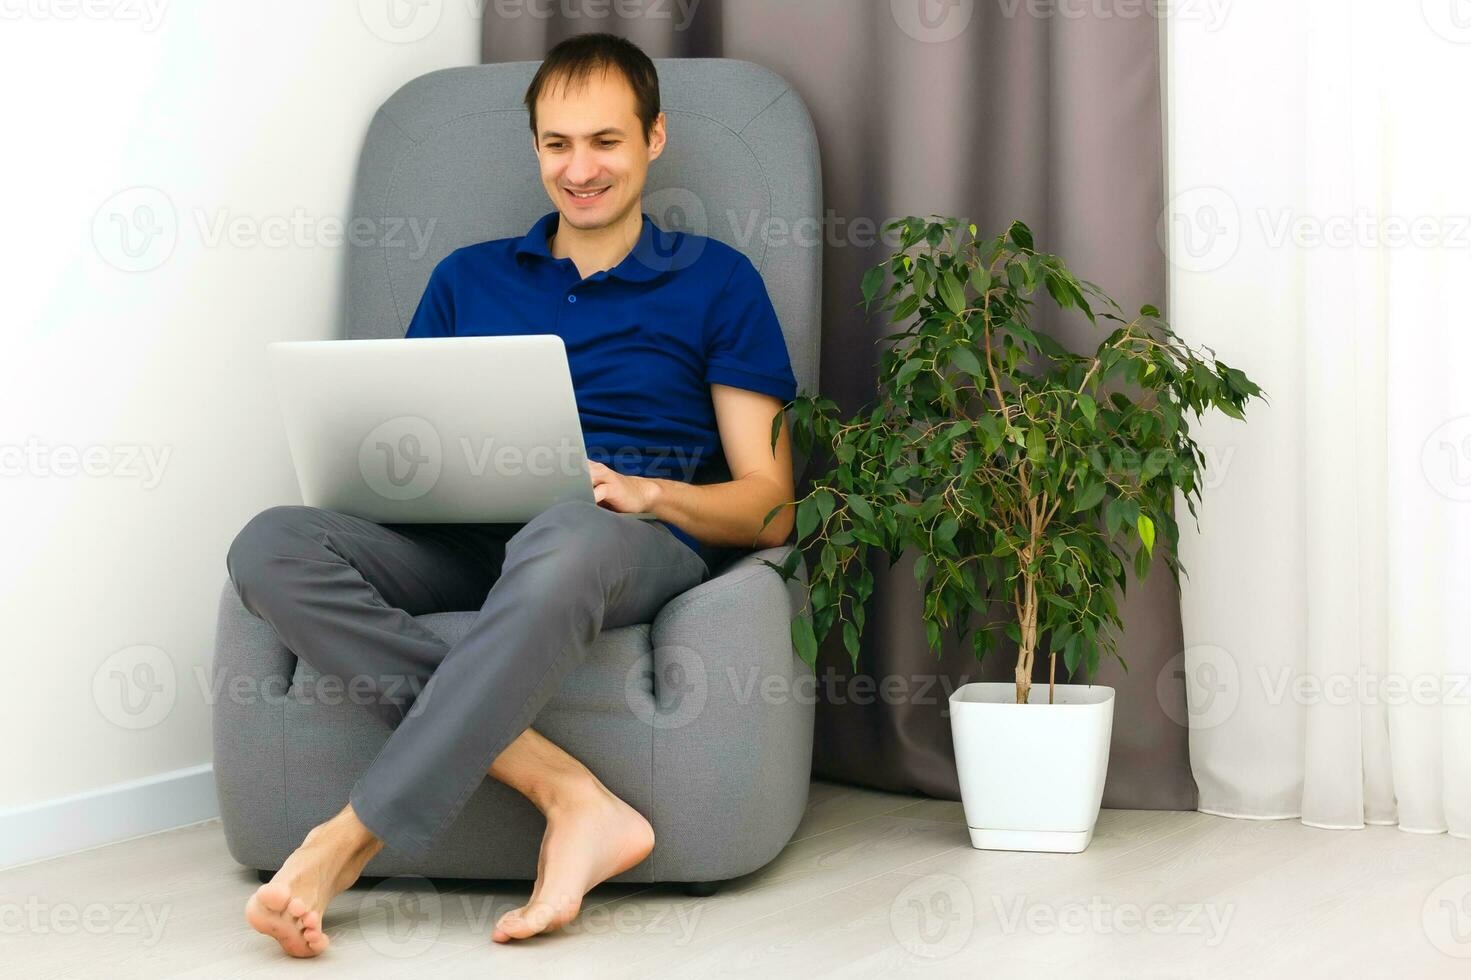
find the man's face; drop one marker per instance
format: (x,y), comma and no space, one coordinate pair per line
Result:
(591,146)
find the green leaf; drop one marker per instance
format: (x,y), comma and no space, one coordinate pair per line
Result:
(1036,445)
(1154,464)
(1020,234)
(908,370)
(980,279)
(965,359)
(872,280)
(1146,533)
(806,518)
(906,308)
(825,502)
(804,640)
(860,507)
(951,292)
(1088,496)
(1072,652)
(1088,407)
(850,639)
(1229,409)
(946,530)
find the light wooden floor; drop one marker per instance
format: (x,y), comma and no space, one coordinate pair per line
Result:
(873,885)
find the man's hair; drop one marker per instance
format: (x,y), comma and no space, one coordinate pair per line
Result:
(574,60)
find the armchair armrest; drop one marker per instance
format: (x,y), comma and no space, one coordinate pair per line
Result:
(251,677)
(733,712)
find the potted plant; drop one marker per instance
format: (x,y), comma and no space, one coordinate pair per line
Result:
(1021,474)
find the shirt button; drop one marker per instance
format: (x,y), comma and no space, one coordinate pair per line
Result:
(571,298)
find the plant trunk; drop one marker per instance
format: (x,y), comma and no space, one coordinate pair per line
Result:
(1027,649)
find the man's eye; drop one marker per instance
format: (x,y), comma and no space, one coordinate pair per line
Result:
(607,143)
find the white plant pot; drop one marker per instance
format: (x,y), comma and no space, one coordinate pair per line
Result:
(1031,775)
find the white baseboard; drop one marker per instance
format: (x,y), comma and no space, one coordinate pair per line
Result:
(107,815)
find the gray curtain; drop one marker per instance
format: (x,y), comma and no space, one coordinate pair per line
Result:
(986,109)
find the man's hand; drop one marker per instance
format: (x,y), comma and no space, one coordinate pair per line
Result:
(617,491)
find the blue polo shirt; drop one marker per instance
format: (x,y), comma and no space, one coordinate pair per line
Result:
(645,339)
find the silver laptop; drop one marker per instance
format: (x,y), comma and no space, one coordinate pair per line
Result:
(433,430)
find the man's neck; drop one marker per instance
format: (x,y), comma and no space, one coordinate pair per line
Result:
(596,249)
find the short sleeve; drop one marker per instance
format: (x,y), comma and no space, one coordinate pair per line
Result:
(744,346)
(435,316)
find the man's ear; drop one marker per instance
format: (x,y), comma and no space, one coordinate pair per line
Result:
(657,137)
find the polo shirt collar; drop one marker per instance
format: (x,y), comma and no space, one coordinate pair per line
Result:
(649,257)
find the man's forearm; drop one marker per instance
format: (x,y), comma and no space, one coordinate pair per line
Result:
(728,514)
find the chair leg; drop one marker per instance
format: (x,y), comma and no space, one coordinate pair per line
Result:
(702,889)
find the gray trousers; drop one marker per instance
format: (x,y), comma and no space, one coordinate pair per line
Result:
(342,594)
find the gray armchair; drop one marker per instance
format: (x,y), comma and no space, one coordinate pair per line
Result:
(698,719)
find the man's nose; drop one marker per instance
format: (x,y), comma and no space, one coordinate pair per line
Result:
(583,167)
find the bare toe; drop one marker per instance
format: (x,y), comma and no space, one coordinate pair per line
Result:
(265,914)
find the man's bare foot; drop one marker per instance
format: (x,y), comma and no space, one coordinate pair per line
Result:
(289,908)
(589,838)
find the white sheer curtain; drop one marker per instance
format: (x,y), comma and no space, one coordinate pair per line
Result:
(1319,229)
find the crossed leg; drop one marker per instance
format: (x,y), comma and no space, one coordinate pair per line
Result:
(590,834)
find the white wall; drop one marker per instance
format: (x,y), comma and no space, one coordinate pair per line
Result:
(249,112)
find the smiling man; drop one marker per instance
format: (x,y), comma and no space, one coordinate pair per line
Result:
(680,369)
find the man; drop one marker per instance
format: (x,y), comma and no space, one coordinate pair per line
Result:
(675,349)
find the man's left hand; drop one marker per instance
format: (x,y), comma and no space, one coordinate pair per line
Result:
(617,491)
